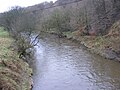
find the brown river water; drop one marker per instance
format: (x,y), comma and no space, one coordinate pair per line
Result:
(65,65)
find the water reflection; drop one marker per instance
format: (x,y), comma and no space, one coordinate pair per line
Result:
(64,65)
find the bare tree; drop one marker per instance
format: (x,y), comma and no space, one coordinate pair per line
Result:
(21,26)
(58,21)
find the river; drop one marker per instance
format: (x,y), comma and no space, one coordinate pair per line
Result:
(65,65)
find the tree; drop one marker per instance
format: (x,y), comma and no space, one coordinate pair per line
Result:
(9,18)
(21,26)
(115,10)
(58,21)
(103,21)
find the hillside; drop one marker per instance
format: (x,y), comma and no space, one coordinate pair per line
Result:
(95,15)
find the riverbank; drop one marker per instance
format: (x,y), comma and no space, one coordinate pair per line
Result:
(107,46)
(15,74)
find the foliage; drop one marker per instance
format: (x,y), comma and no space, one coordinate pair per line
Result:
(3,33)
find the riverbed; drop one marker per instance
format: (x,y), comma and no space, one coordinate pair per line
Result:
(62,64)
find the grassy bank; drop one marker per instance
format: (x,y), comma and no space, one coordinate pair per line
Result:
(107,46)
(15,74)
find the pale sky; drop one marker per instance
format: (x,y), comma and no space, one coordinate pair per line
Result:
(6,4)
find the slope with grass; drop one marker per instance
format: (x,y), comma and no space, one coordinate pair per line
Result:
(15,74)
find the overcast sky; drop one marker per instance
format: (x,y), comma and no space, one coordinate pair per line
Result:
(6,4)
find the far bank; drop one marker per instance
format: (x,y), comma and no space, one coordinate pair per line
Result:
(107,46)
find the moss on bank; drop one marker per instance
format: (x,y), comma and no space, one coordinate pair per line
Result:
(15,74)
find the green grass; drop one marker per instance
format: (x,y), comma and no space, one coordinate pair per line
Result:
(5,42)
(3,33)
(68,34)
